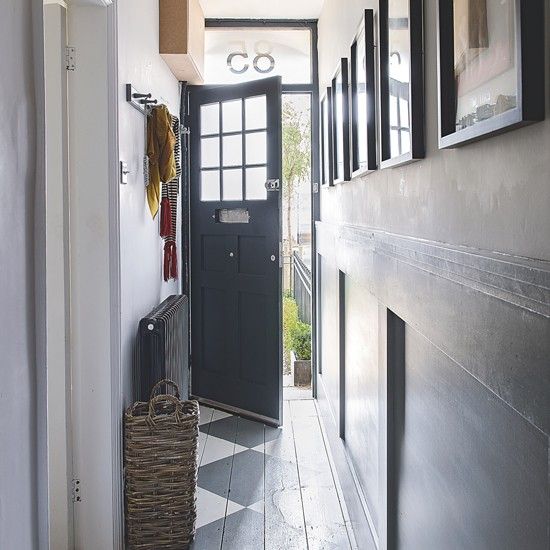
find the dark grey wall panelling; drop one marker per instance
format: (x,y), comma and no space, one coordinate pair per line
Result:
(447,389)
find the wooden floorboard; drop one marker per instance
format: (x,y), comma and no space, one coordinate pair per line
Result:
(325,524)
(245,528)
(267,488)
(284,517)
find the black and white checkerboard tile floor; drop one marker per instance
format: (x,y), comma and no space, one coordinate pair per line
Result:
(267,488)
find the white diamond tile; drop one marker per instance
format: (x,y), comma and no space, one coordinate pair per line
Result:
(210,507)
(217,448)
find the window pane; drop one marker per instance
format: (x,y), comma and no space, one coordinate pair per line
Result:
(232,150)
(256,148)
(255,183)
(256,113)
(232,116)
(235,55)
(233,185)
(210,185)
(210,152)
(210,119)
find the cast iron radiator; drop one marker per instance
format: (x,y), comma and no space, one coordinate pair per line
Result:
(162,347)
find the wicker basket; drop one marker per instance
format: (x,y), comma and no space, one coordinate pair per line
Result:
(160,459)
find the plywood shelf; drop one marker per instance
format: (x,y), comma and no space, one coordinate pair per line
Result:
(181,38)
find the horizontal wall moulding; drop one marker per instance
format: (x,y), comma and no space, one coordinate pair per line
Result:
(519,281)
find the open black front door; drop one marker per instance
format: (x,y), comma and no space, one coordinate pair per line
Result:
(235,156)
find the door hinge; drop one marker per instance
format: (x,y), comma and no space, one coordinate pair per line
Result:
(185,131)
(70,58)
(76,490)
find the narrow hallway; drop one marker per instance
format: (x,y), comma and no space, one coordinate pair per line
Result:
(263,487)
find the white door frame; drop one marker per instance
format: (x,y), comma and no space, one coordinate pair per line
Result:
(95,276)
(57,299)
(82,296)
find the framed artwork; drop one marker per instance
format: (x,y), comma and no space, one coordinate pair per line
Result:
(363,98)
(340,123)
(401,82)
(327,170)
(491,67)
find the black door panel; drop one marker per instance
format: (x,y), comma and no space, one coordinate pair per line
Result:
(235,234)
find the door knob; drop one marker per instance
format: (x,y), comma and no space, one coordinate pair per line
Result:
(273,257)
(231,254)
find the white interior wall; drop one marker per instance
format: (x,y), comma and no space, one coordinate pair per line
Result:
(141,248)
(18,367)
(491,195)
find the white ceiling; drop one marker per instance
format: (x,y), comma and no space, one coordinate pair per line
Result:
(262,9)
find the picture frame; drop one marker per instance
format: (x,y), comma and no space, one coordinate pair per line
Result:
(490,68)
(363,98)
(401,82)
(327,169)
(341,123)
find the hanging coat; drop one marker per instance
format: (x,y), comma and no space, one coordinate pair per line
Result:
(160,150)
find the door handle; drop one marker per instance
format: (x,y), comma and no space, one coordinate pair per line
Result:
(231,254)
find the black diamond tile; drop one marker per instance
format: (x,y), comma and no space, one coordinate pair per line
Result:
(208,536)
(214,477)
(247,478)
(244,530)
(249,433)
(223,428)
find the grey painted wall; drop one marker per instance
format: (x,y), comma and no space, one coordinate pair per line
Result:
(19,140)
(448,448)
(142,285)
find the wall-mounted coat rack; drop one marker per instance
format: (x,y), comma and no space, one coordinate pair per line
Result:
(139,101)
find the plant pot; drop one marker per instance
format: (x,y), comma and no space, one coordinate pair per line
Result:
(301,369)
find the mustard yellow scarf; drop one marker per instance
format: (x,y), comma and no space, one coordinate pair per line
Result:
(160,150)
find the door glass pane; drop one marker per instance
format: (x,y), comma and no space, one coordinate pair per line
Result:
(255,183)
(256,148)
(232,116)
(232,150)
(210,185)
(210,119)
(233,185)
(256,113)
(210,152)
(235,54)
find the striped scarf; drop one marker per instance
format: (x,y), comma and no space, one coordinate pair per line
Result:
(169,211)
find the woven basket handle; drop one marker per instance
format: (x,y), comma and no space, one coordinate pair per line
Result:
(166,382)
(165,397)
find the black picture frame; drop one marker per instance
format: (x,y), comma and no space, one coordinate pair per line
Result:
(363,154)
(413,90)
(327,169)
(530,73)
(341,128)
